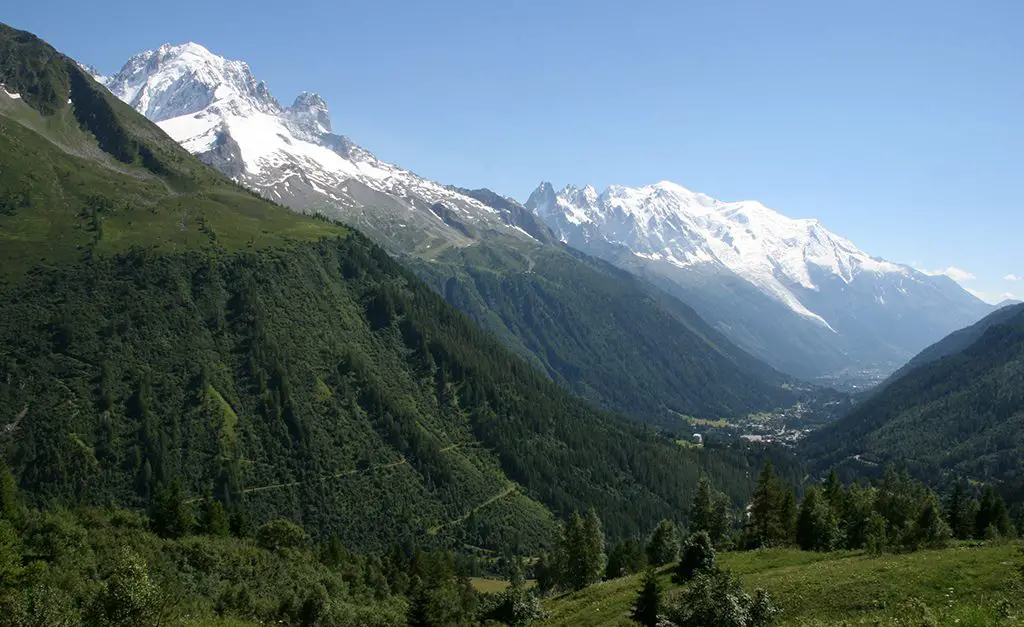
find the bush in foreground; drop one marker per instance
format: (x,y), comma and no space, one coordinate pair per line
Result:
(716,598)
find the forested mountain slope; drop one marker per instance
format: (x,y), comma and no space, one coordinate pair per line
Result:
(161,323)
(603,333)
(961,413)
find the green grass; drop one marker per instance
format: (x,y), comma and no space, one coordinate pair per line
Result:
(228,419)
(492,586)
(486,585)
(963,582)
(705,422)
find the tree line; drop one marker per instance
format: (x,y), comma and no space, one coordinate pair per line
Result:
(896,513)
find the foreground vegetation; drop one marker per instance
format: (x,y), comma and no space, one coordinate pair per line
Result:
(974,582)
(863,535)
(107,567)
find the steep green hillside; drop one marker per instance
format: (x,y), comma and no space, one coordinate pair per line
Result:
(160,323)
(963,413)
(603,333)
(84,175)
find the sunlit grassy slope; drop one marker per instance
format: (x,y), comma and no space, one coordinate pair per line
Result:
(963,585)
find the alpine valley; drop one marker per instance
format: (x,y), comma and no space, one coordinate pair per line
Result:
(222,403)
(787,291)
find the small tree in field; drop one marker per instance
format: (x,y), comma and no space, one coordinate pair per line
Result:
(663,547)
(698,556)
(715,598)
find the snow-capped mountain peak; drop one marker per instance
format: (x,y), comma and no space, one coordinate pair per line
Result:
(219,111)
(310,112)
(176,80)
(668,222)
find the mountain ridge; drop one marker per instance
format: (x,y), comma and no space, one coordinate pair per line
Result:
(959,340)
(640,352)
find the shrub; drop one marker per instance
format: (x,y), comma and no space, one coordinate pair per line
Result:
(698,556)
(716,598)
(281,534)
(663,547)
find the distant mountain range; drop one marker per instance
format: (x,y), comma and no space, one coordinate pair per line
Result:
(789,292)
(802,298)
(602,332)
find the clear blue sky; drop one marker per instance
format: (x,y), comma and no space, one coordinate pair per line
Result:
(899,124)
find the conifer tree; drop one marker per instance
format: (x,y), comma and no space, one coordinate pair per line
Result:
(700,509)
(832,490)
(721,520)
(571,555)
(214,519)
(958,512)
(710,512)
(876,535)
(240,523)
(764,527)
(930,528)
(10,555)
(787,516)
(10,506)
(595,547)
(663,547)
(333,553)
(860,505)
(898,500)
(579,554)
(418,614)
(625,558)
(172,516)
(816,527)
(648,601)
(545,573)
(992,519)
